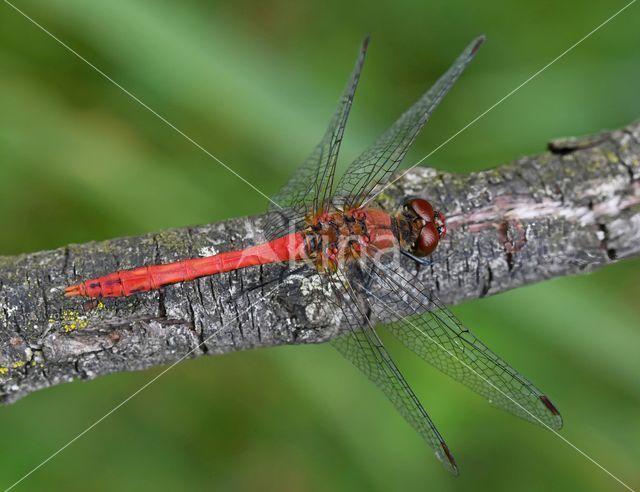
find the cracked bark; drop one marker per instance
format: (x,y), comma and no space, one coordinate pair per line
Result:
(572,209)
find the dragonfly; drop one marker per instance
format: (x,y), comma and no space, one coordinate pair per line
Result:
(328,231)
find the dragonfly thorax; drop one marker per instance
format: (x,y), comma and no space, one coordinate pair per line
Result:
(336,237)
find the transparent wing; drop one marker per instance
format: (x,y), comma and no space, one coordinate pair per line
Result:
(424,325)
(310,187)
(378,162)
(364,349)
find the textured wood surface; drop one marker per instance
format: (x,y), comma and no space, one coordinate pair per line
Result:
(572,209)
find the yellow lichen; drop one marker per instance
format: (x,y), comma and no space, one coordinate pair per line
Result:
(612,157)
(3,370)
(17,364)
(71,320)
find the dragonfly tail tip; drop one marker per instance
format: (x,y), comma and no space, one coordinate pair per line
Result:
(72,291)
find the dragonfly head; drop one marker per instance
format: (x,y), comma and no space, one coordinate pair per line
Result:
(430,225)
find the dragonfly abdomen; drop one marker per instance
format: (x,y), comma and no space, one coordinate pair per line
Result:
(142,279)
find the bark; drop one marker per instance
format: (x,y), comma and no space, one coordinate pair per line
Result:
(572,209)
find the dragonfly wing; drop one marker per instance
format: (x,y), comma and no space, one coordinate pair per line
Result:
(364,349)
(425,326)
(380,160)
(310,187)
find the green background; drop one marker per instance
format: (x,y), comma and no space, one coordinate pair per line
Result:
(255,83)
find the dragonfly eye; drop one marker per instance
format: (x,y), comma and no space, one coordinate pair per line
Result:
(432,230)
(427,240)
(422,208)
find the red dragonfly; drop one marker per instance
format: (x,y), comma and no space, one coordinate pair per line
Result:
(360,257)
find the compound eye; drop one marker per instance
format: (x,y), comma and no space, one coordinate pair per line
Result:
(427,240)
(422,208)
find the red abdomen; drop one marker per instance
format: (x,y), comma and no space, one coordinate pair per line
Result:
(143,279)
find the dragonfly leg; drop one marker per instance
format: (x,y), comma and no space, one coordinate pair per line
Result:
(370,277)
(417,259)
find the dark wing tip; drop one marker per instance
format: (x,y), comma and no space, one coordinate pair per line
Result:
(451,462)
(547,403)
(475,45)
(365,43)
(552,408)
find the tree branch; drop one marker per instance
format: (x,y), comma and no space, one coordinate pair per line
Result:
(569,210)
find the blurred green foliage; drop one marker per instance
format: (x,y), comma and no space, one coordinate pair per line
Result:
(255,83)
